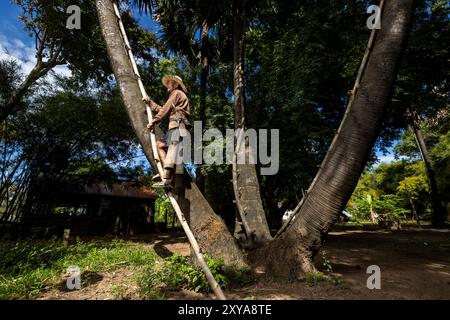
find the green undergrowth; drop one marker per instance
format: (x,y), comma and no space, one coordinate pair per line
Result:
(27,268)
(177,272)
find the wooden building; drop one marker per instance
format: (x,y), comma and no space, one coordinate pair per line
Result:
(55,203)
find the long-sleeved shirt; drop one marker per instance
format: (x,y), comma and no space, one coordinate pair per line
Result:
(177,105)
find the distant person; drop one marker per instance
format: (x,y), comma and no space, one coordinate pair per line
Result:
(178,110)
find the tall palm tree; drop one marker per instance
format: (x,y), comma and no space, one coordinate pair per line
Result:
(340,169)
(252,218)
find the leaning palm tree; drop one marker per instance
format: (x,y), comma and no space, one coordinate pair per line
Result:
(350,150)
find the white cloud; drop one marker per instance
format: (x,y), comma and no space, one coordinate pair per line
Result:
(18,43)
(388,158)
(62,70)
(25,55)
(10,28)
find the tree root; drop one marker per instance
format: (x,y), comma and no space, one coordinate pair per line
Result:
(285,258)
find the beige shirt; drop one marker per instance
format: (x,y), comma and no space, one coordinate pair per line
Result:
(177,105)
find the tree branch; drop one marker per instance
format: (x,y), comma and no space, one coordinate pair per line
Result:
(40,70)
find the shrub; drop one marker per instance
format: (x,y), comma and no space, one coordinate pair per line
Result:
(389,208)
(314,278)
(359,209)
(178,272)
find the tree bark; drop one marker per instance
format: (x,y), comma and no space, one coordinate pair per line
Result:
(349,152)
(438,208)
(208,228)
(252,220)
(414,211)
(204,72)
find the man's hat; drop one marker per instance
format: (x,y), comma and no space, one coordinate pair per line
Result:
(177,79)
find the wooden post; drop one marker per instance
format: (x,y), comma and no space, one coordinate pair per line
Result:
(66,237)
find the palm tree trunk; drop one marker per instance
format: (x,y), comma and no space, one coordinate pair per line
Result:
(245,181)
(204,72)
(414,211)
(209,230)
(350,150)
(438,208)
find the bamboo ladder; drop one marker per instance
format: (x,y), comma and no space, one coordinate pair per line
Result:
(209,276)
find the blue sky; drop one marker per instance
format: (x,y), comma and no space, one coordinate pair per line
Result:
(9,22)
(15,43)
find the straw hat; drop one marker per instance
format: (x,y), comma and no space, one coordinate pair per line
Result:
(177,79)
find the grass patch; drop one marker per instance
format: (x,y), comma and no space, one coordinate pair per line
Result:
(29,267)
(118,291)
(178,272)
(314,278)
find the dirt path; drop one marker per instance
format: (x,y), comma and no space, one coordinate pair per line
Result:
(414,263)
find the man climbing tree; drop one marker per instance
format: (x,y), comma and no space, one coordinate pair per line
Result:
(177,107)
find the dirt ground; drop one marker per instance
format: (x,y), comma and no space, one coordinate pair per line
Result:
(414,263)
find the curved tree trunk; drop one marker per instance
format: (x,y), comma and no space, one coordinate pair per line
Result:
(350,150)
(252,218)
(208,228)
